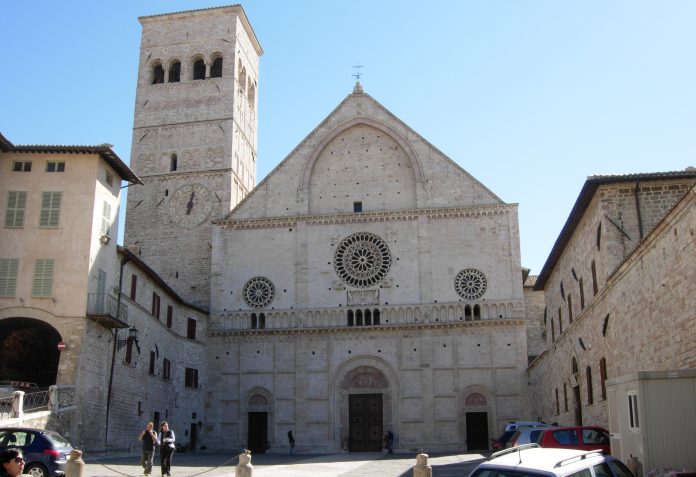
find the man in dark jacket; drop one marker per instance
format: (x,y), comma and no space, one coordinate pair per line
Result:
(149,439)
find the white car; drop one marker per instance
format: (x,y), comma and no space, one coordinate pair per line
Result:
(530,460)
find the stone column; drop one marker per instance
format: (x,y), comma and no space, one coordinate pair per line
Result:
(422,469)
(244,468)
(75,466)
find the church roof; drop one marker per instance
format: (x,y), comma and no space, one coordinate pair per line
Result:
(103,150)
(583,201)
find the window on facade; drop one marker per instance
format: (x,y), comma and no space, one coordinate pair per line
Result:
(129,351)
(170,316)
(633,422)
(55,166)
(553,331)
(8,276)
(155,305)
(351,318)
(191,378)
(254,322)
(242,77)
(560,321)
(570,308)
(599,236)
(605,325)
(134,286)
(191,329)
(477,312)
(106,218)
(173,163)
(603,376)
(251,96)
(16,204)
(368,317)
(21,166)
(199,69)
(262,321)
(109,178)
(558,407)
(357,206)
(166,369)
(467,313)
(588,376)
(151,367)
(216,68)
(565,397)
(359,318)
(50,209)
(157,74)
(375,317)
(43,278)
(562,291)
(175,72)
(594,278)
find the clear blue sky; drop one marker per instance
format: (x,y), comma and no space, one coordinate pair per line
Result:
(530,97)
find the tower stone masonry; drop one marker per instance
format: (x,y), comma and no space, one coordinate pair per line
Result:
(194,139)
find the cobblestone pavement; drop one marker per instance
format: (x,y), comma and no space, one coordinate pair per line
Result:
(273,465)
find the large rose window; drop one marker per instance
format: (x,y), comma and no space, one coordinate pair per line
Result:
(258,292)
(362,259)
(470,284)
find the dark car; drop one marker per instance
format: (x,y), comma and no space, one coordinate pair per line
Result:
(45,452)
(500,442)
(577,437)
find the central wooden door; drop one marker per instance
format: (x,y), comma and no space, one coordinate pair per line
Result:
(365,415)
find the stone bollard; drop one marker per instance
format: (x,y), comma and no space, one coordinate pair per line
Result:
(422,469)
(75,466)
(244,468)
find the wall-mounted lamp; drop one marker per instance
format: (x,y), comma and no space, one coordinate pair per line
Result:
(132,336)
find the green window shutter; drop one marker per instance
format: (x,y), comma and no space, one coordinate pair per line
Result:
(16,203)
(43,278)
(106,218)
(50,209)
(8,276)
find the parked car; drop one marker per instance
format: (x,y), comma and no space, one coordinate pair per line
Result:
(45,452)
(578,437)
(530,460)
(501,442)
(525,436)
(514,425)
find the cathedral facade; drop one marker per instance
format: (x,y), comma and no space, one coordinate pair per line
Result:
(368,284)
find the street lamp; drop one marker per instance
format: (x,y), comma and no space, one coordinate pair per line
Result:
(132,336)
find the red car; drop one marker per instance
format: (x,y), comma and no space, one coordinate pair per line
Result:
(578,437)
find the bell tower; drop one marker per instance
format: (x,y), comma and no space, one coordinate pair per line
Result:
(194,139)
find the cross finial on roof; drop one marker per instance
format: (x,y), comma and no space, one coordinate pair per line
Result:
(357,73)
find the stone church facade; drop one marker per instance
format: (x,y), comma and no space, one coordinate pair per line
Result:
(367,284)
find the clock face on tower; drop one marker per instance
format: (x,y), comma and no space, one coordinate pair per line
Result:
(190,205)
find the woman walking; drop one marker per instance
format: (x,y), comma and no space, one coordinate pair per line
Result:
(166,439)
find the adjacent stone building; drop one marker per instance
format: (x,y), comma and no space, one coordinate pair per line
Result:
(619,289)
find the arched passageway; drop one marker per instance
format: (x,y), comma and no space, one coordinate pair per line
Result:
(29,350)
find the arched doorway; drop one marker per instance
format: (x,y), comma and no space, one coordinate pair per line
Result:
(29,350)
(476,408)
(365,399)
(258,418)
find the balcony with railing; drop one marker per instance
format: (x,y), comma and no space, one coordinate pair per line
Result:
(107,311)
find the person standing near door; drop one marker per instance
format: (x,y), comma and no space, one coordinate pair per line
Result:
(166,439)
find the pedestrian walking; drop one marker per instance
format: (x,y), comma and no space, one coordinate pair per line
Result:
(149,443)
(291,441)
(166,440)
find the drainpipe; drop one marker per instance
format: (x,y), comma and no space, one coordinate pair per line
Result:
(640,218)
(124,260)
